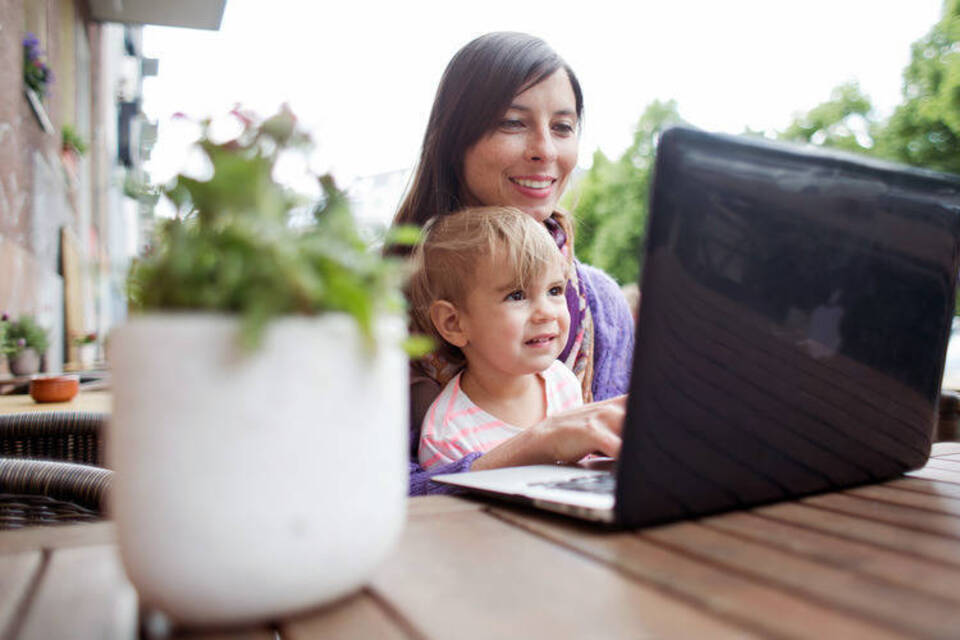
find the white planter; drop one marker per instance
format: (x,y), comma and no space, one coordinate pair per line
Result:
(25,363)
(249,486)
(87,354)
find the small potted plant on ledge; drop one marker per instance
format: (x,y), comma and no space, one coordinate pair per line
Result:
(86,345)
(24,344)
(72,148)
(260,387)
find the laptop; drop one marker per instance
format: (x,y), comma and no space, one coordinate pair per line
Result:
(796,309)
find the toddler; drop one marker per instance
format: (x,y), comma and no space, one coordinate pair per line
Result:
(489,286)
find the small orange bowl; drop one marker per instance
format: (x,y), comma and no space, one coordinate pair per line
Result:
(54,388)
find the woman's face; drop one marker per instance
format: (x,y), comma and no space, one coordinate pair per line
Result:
(525,160)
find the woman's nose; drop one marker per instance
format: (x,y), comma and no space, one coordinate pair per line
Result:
(541,146)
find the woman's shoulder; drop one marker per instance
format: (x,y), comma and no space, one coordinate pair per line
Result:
(601,289)
(613,332)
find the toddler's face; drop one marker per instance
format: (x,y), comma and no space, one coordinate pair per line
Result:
(515,331)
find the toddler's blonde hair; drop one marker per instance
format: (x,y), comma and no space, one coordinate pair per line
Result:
(445,261)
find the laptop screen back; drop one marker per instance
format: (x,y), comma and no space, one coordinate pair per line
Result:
(796,309)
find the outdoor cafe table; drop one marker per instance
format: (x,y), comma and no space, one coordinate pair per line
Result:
(97,401)
(880,561)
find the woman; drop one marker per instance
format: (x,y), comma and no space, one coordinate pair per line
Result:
(504,131)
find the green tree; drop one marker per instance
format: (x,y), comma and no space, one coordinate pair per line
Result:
(845,121)
(925,129)
(610,201)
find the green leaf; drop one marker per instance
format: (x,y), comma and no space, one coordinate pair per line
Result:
(418,346)
(234,249)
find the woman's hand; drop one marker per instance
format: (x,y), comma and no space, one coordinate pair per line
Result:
(565,437)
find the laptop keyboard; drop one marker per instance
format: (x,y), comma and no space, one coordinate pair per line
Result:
(595,483)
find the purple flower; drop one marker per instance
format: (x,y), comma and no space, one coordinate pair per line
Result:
(4,317)
(21,342)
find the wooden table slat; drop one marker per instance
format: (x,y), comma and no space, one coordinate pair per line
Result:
(83,593)
(901,516)
(457,568)
(359,616)
(748,602)
(229,634)
(920,485)
(432,505)
(913,573)
(898,608)
(904,497)
(53,537)
(17,573)
(98,401)
(927,545)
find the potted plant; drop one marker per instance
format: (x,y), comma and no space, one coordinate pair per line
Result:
(37,76)
(86,345)
(72,148)
(24,344)
(71,142)
(260,387)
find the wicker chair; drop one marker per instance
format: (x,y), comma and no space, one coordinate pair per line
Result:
(51,468)
(42,492)
(68,436)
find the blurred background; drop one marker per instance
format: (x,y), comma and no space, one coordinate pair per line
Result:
(873,76)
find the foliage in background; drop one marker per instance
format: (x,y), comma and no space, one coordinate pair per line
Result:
(36,74)
(70,140)
(610,202)
(925,129)
(235,245)
(845,121)
(24,333)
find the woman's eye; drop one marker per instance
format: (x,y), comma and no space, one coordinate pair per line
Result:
(510,123)
(515,296)
(564,128)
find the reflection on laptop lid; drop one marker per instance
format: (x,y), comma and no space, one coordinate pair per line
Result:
(796,310)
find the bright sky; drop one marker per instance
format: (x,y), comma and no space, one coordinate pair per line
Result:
(361,75)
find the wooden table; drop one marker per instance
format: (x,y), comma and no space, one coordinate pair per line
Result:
(880,561)
(101,401)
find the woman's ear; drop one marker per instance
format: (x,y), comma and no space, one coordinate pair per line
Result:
(448,322)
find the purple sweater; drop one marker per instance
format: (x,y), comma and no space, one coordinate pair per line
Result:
(613,355)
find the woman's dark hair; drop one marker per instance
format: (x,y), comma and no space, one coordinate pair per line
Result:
(475,91)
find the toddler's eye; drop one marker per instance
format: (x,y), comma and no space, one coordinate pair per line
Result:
(556,290)
(515,296)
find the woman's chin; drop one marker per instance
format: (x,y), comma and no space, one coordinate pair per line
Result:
(538,213)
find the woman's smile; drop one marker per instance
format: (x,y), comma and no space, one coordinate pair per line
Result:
(534,186)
